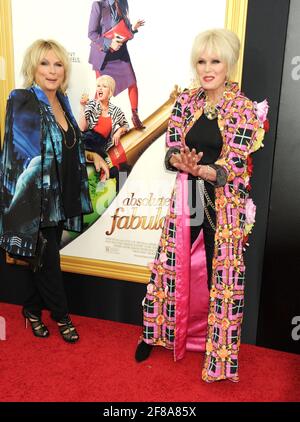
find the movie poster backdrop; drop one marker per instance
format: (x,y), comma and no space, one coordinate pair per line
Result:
(125,225)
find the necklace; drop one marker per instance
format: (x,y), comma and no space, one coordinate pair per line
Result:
(104,109)
(210,110)
(64,133)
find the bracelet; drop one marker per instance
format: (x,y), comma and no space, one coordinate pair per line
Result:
(90,156)
(206,174)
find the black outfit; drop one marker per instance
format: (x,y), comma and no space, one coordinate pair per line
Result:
(46,287)
(205,137)
(95,142)
(70,174)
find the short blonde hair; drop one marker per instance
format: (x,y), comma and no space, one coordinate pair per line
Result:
(36,52)
(222,42)
(111,83)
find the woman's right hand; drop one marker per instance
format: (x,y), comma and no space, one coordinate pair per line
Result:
(116,43)
(84,99)
(187,161)
(99,163)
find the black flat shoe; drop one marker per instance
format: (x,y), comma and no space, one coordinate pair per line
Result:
(39,329)
(143,351)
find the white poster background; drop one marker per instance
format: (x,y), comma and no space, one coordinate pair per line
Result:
(160,54)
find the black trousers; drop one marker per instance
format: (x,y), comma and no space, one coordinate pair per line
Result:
(208,231)
(46,289)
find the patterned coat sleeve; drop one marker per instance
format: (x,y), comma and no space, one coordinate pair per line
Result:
(241,130)
(174,131)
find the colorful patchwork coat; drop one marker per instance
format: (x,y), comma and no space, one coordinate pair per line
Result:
(179,312)
(30,171)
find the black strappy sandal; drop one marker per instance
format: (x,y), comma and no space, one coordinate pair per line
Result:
(67,330)
(39,329)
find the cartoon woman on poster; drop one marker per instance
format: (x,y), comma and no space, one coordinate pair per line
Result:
(109,30)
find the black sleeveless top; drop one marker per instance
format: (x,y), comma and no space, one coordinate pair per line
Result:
(70,173)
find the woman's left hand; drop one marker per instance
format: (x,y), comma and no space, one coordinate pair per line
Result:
(138,24)
(117,135)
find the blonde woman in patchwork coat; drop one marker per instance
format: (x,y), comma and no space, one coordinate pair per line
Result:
(195,295)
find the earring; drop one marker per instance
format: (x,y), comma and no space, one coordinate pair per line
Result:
(227,82)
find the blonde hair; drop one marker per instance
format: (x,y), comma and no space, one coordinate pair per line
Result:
(109,81)
(222,42)
(36,52)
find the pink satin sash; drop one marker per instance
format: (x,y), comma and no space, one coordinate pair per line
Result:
(191,280)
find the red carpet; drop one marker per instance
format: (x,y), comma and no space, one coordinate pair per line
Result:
(101,367)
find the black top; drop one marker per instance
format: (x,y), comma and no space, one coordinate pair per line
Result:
(205,137)
(70,172)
